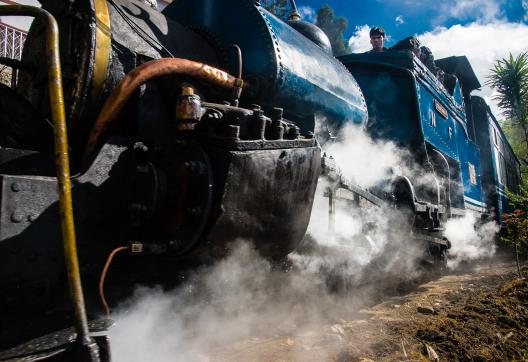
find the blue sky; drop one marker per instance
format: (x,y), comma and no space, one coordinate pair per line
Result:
(401,18)
(483,30)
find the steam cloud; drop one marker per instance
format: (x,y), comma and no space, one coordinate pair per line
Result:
(469,239)
(242,298)
(238,298)
(369,239)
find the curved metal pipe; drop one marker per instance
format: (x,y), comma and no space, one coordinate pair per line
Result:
(63,169)
(239,60)
(145,72)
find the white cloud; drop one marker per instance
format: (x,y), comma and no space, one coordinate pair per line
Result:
(481,10)
(483,44)
(360,41)
(307,13)
(399,20)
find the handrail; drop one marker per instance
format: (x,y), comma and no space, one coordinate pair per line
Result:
(87,345)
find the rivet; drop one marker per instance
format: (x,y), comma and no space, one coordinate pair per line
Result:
(17,216)
(15,187)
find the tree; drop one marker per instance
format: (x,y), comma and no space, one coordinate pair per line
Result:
(515,225)
(279,8)
(509,78)
(334,29)
(515,137)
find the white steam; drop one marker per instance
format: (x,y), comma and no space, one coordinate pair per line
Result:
(362,159)
(470,239)
(365,239)
(242,298)
(238,298)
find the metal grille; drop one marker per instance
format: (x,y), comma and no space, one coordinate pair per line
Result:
(11,41)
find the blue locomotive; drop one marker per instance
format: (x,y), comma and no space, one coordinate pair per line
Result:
(448,131)
(190,128)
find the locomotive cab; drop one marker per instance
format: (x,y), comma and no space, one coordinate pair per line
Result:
(412,107)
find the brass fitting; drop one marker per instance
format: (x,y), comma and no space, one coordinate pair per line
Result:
(188,109)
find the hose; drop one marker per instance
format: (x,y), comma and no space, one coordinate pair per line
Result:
(103,276)
(145,72)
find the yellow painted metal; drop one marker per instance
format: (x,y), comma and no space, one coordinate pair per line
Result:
(61,160)
(102,46)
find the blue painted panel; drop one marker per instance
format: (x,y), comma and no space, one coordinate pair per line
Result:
(287,69)
(449,136)
(470,169)
(457,95)
(391,105)
(497,143)
(437,130)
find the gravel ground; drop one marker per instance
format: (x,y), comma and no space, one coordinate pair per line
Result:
(479,313)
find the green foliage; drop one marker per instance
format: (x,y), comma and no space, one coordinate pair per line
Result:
(333,26)
(519,201)
(334,29)
(509,78)
(516,139)
(515,224)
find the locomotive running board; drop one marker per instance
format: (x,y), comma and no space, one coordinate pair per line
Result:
(333,173)
(61,344)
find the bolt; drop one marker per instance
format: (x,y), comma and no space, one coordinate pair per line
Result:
(277,113)
(195,167)
(32,217)
(190,165)
(194,210)
(294,133)
(138,207)
(180,142)
(234,132)
(17,216)
(142,169)
(140,147)
(213,114)
(16,187)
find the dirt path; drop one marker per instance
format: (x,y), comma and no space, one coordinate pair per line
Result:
(480,314)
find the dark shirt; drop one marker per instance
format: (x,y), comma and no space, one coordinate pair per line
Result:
(374,51)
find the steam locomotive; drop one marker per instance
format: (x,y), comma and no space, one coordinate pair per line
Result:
(191,128)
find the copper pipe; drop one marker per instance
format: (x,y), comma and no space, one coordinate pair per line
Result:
(143,73)
(103,277)
(63,169)
(239,59)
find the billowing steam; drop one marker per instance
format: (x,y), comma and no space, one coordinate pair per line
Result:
(365,238)
(242,300)
(368,163)
(362,159)
(237,299)
(470,240)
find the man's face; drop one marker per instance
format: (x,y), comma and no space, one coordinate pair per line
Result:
(377,41)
